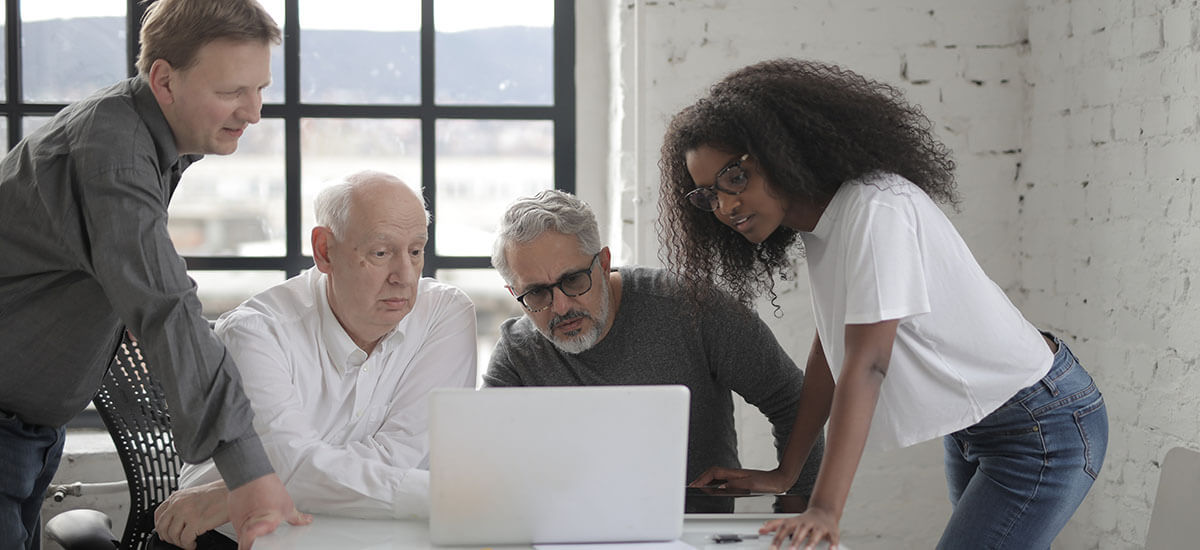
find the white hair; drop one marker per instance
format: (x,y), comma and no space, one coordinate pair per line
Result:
(549,210)
(332,207)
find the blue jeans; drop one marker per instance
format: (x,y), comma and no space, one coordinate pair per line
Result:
(1017,476)
(29,457)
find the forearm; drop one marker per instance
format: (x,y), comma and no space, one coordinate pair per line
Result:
(146,282)
(816,396)
(242,461)
(815,400)
(211,416)
(199,377)
(331,482)
(849,423)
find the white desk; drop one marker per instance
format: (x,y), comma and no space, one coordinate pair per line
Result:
(360,534)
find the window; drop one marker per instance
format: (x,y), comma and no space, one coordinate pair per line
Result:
(472,101)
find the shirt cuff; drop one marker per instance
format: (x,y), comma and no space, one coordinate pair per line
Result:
(412,497)
(242,461)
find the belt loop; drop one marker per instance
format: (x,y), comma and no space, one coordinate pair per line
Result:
(1050,386)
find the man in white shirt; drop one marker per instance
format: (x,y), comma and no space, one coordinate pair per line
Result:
(338,362)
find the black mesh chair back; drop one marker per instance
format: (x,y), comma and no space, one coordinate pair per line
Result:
(134,409)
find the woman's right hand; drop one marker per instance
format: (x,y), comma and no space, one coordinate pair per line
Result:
(757,481)
(813,526)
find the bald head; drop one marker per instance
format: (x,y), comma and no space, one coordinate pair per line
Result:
(335,203)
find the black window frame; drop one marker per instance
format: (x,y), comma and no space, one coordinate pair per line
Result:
(561,114)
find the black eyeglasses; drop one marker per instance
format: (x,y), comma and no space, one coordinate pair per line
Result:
(731,179)
(572,284)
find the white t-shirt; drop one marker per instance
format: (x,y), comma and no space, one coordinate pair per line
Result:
(883,250)
(347,432)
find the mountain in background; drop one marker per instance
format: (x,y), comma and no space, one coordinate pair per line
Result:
(499,66)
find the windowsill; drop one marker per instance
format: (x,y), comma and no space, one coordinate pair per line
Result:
(88,441)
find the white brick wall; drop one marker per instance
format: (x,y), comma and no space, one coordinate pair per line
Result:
(1073,124)
(1129,250)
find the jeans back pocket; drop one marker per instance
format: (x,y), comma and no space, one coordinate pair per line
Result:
(1092,421)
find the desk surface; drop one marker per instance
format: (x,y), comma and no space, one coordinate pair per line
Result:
(362,534)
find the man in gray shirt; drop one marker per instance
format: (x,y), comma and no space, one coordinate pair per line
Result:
(83,212)
(588,325)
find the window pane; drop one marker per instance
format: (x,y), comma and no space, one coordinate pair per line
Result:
(482,166)
(493,304)
(335,147)
(360,51)
(233,205)
(491,52)
(221,291)
(274,92)
(4,58)
(66,58)
(4,132)
(31,123)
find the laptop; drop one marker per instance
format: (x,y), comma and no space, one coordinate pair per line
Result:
(557,464)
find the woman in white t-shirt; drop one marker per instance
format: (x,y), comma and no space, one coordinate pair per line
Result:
(913,340)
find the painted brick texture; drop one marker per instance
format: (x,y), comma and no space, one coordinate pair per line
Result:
(1074,127)
(1108,231)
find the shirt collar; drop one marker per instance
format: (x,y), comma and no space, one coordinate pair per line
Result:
(343,352)
(160,130)
(825,223)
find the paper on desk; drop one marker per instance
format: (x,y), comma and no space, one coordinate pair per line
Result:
(672,545)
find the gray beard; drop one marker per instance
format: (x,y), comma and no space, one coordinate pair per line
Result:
(587,338)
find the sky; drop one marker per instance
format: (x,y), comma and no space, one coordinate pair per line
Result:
(373,15)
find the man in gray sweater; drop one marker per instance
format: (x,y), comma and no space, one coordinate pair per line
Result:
(586,324)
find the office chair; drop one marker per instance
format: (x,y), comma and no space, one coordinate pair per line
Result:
(134,409)
(1173,519)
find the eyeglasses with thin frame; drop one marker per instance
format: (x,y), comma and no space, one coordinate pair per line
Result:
(731,180)
(575,283)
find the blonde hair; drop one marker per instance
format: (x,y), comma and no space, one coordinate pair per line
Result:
(175,30)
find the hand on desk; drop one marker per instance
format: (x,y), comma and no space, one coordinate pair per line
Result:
(813,526)
(257,507)
(189,513)
(758,481)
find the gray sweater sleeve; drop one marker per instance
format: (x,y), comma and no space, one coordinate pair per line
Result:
(745,356)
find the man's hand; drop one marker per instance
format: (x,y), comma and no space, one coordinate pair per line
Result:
(189,513)
(256,508)
(757,481)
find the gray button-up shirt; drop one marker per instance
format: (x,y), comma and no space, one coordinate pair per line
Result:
(85,250)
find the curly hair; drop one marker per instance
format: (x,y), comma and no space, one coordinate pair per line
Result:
(809,127)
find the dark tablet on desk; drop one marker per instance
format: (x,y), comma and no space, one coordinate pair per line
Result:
(712,500)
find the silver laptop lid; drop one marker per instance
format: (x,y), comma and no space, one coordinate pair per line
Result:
(557,464)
